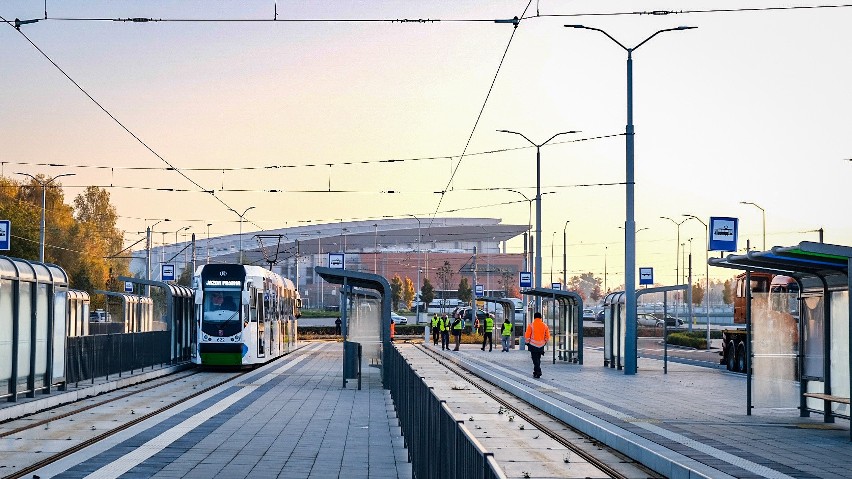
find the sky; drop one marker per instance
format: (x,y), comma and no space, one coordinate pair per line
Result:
(749,106)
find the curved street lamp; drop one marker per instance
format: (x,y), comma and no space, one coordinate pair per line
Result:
(630,365)
(763,214)
(44,185)
(538,202)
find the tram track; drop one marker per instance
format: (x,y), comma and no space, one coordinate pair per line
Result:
(43,422)
(30,468)
(510,403)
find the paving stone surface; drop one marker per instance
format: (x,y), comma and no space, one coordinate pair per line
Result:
(293,421)
(699,413)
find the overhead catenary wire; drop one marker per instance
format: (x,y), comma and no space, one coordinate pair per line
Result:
(276,19)
(115,119)
(303,165)
(479,115)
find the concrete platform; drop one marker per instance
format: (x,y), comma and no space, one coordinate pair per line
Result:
(691,422)
(288,419)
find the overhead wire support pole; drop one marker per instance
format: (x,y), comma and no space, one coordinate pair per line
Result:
(630,366)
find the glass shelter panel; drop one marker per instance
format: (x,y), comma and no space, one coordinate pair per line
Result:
(60,306)
(774,346)
(364,317)
(840,349)
(5,329)
(42,316)
(24,326)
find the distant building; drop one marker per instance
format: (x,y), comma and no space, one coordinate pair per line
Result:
(401,246)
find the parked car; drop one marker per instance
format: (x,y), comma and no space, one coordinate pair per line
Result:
(589,314)
(600,316)
(100,316)
(398,319)
(466,314)
(672,322)
(644,319)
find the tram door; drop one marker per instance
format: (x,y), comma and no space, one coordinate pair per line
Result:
(261,324)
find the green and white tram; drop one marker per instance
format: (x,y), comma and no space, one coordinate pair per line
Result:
(246,315)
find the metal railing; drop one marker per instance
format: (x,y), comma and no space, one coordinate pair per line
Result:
(439,445)
(90,357)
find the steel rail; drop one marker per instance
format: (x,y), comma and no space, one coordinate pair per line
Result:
(591,459)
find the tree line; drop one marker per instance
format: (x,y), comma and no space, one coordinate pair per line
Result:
(81,237)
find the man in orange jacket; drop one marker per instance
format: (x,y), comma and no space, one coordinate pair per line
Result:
(537,336)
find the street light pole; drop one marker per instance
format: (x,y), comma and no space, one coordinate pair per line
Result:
(630,365)
(419,264)
(242,216)
(44,185)
(208,242)
(763,214)
(706,271)
(148,232)
(538,204)
(565,256)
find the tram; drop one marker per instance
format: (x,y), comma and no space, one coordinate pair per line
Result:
(246,315)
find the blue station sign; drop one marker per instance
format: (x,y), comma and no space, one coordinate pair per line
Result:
(723,234)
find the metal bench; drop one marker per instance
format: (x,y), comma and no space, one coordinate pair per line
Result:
(828,397)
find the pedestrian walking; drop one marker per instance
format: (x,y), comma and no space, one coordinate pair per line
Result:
(436,332)
(392,329)
(537,335)
(487,335)
(337,323)
(458,324)
(444,325)
(506,335)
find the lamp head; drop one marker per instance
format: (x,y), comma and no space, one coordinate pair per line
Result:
(575,26)
(683,27)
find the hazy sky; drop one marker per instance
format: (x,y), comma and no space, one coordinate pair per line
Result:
(750,106)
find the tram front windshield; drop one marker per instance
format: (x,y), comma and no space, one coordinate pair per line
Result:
(221,312)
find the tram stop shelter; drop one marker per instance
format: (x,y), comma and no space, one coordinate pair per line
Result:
(32,327)
(615,323)
(563,310)
(508,312)
(798,341)
(365,314)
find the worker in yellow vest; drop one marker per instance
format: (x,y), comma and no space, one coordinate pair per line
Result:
(537,336)
(444,326)
(436,332)
(457,325)
(489,332)
(506,334)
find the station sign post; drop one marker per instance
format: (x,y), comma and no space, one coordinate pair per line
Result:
(480,290)
(556,286)
(337,260)
(525,279)
(646,276)
(723,234)
(167,272)
(5,235)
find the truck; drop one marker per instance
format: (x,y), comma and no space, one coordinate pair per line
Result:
(782,311)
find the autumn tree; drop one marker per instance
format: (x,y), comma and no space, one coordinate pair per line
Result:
(697,293)
(728,292)
(465,292)
(82,239)
(427,293)
(586,285)
(396,291)
(408,292)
